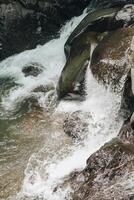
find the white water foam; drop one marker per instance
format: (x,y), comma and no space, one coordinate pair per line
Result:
(48,172)
(47,168)
(50,56)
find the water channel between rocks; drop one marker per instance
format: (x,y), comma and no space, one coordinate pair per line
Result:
(35,152)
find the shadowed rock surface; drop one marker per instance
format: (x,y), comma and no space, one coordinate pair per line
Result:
(107,3)
(26,23)
(73,74)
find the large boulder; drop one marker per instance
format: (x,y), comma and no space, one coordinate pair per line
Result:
(108,170)
(102,20)
(97,21)
(112,30)
(108,174)
(26,23)
(110,58)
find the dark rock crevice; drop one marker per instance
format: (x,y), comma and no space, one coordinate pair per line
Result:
(26,23)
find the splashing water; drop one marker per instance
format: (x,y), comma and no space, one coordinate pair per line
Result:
(50,56)
(48,167)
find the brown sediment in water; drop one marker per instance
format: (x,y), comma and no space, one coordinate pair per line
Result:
(28,136)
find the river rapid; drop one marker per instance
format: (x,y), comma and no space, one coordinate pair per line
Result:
(36,154)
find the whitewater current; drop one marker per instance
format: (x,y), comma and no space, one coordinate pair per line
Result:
(47,168)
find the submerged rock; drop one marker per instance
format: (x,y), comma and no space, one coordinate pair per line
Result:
(44,88)
(76,125)
(32,69)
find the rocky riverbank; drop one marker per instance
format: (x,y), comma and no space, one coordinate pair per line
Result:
(102,43)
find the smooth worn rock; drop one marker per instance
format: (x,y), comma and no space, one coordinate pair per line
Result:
(110,64)
(32,69)
(110,29)
(97,21)
(73,74)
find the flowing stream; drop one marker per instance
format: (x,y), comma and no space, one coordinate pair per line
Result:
(57,154)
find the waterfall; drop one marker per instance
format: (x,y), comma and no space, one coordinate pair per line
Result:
(56,160)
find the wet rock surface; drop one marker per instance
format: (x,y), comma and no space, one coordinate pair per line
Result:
(76,126)
(127,101)
(109,61)
(111,31)
(97,21)
(73,75)
(44,88)
(109,170)
(32,69)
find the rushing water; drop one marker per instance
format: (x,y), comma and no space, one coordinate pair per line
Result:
(58,155)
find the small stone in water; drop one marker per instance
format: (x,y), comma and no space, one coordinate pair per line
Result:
(32,69)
